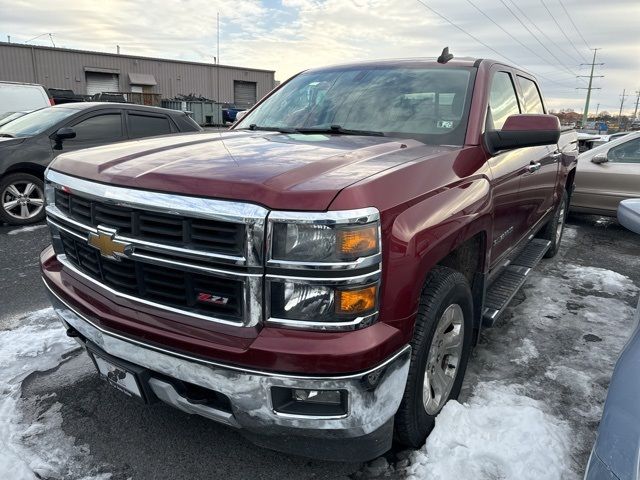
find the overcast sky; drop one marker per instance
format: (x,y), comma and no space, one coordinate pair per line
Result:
(291,35)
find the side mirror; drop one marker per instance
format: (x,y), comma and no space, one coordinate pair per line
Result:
(600,158)
(240,115)
(523,130)
(629,214)
(64,133)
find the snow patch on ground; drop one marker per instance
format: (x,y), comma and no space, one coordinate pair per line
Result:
(30,228)
(527,352)
(33,447)
(498,434)
(600,280)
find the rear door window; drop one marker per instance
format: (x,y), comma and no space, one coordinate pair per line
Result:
(99,128)
(148,125)
(503,101)
(532,99)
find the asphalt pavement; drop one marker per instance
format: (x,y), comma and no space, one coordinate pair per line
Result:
(131,440)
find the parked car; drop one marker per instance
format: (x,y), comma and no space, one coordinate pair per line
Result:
(229,112)
(606,175)
(317,275)
(607,138)
(18,97)
(29,143)
(616,453)
(586,141)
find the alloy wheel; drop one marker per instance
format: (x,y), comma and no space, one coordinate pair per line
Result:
(22,200)
(443,360)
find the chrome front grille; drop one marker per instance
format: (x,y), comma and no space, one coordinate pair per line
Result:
(171,287)
(190,233)
(198,257)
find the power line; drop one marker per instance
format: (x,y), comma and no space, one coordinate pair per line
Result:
(562,30)
(574,25)
(535,25)
(467,33)
(537,39)
(484,44)
(511,36)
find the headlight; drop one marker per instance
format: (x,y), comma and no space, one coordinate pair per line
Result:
(324,306)
(323,269)
(329,237)
(49,193)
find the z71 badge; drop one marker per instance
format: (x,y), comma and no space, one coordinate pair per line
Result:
(215,299)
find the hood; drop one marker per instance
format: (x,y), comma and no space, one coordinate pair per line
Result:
(279,171)
(8,141)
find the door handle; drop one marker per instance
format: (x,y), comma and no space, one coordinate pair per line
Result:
(555,156)
(534,167)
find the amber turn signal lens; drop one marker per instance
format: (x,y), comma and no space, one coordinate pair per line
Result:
(359,242)
(356,301)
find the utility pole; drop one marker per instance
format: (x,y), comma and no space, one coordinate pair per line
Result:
(622,97)
(585,114)
(635,112)
(597,109)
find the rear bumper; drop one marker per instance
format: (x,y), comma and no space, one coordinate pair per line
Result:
(364,432)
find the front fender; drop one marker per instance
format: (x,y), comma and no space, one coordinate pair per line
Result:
(428,231)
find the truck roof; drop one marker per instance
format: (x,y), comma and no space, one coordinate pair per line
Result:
(426,61)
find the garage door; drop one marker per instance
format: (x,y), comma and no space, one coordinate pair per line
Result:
(102,82)
(244,93)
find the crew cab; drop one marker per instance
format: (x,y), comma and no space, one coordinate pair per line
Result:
(317,276)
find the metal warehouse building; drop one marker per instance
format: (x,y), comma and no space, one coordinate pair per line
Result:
(88,73)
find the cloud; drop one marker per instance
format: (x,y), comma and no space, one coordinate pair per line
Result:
(292,35)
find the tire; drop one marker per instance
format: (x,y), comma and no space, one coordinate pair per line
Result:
(16,208)
(445,290)
(554,228)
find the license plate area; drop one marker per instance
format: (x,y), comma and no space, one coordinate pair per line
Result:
(124,376)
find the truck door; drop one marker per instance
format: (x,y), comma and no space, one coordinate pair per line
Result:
(507,167)
(538,182)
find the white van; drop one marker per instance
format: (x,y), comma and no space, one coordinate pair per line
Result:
(21,97)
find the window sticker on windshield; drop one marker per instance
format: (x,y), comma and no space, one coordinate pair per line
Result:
(445,123)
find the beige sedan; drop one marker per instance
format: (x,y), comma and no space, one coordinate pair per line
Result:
(607,175)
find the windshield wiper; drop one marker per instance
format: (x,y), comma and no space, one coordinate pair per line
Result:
(8,135)
(340,130)
(253,126)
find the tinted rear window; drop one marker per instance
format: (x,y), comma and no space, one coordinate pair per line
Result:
(147,126)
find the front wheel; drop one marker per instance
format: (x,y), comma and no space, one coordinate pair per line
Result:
(21,199)
(441,346)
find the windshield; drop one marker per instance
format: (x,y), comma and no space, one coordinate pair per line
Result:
(35,122)
(426,103)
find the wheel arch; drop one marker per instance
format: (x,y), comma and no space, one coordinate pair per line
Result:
(26,167)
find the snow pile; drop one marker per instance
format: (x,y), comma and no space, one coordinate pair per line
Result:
(497,434)
(37,449)
(25,229)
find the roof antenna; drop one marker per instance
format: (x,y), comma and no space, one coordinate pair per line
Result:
(445,56)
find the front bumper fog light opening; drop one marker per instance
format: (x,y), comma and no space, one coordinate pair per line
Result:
(310,402)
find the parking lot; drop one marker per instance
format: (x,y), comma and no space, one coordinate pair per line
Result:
(539,377)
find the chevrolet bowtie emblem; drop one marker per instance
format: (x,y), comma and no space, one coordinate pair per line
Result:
(105,242)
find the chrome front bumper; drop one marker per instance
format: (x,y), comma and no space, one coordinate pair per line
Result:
(373,396)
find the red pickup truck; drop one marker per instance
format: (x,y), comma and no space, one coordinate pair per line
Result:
(317,276)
